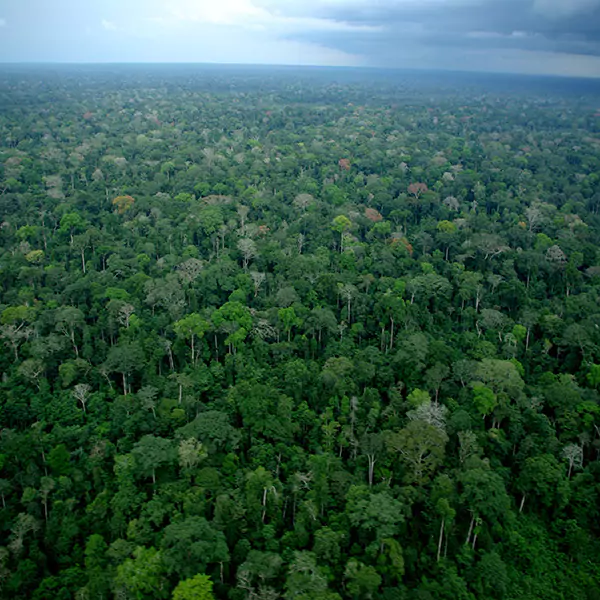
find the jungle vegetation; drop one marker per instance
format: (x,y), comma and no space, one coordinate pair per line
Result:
(298,334)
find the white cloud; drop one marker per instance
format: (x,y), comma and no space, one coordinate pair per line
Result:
(496,35)
(303,7)
(224,31)
(223,12)
(109,25)
(252,14)
(243,31)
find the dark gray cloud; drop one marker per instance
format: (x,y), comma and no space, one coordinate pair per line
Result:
(569,27)
(503,16)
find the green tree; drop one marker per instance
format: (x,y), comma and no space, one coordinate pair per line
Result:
(420,447)
(143,575)
(378,514)
(152,453)
(484,493)
(363,580)
(125,359)
(306,580)
(196,588)
(484,400)
(189,328)
(288,319)
(190,545)
(341,224)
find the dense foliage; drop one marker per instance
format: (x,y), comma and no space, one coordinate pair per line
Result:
(285,335)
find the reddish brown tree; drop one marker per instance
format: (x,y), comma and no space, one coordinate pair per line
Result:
(373,215)
(416,189)
(407,245)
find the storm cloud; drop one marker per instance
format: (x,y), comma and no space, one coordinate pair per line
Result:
(454,28)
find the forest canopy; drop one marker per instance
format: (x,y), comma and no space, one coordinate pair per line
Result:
(299,334)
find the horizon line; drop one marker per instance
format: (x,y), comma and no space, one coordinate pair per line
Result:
(425,70)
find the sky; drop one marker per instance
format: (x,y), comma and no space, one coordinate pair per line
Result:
(549,37)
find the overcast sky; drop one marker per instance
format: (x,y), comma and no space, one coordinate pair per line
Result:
(522,36)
